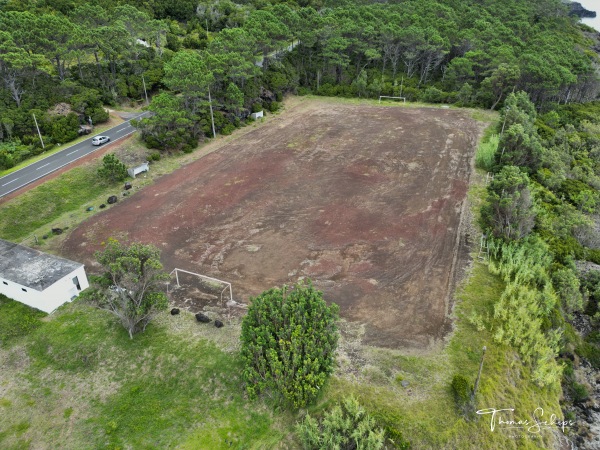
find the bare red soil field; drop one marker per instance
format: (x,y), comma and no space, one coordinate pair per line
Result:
(364,200)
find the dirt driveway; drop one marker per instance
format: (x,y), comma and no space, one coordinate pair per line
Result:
(364,200)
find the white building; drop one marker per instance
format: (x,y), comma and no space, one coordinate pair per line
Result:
(38,279)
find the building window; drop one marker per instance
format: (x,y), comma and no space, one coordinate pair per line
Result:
(76,283)
(24,290)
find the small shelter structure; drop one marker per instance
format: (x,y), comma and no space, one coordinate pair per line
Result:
(133,171)
(38,279)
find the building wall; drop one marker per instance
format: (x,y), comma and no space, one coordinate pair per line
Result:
(22,294)
(64,290)
(50,298)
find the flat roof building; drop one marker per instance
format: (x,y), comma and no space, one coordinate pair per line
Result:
(38,279)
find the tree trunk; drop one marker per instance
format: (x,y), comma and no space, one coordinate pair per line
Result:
(60,68)
(16,92)
(79,67)
(497,101)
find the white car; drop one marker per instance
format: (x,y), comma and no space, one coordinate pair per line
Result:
(99,140)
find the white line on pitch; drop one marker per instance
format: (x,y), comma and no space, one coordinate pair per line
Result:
(41,167)
(6,184)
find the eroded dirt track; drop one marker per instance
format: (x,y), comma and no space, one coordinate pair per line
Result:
(364,200)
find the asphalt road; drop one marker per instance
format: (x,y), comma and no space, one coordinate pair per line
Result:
(40,169)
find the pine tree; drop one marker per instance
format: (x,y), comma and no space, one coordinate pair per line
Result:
(112,169)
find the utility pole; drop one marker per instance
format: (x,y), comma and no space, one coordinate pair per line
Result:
(212,118)
(506,110)
(145,92)
(38,130)
(479,374)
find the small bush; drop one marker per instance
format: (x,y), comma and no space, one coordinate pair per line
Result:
(484,158)
(228,129)
(187,148)
(112,169)
(345,426)
(462,390)
(390,422)
(274,106)
(590,352)
(579,393)
(433,95)
(154,156)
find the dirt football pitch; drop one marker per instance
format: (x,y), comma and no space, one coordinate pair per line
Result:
(364,200)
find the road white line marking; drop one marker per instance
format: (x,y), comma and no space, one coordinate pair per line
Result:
(41,167)
(72,152)
(60,167)
(6,184)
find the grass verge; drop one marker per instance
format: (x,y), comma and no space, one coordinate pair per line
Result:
(17,320)
(79,382)
(41,206)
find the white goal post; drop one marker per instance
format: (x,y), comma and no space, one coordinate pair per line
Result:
(206,278)
(387,96)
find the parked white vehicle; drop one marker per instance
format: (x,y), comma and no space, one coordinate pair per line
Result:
(99,140)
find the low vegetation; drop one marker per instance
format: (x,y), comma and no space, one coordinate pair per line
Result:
(345,426)
(16,320)
(40,207)
(289,339)
(112,169)
(132,286)
(78,381)
(518,305)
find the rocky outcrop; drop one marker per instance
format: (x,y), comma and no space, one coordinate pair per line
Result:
(576,9)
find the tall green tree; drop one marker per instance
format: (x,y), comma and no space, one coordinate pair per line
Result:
(171,127)
(509,210)
(188,73)
(289,338)
(132,286)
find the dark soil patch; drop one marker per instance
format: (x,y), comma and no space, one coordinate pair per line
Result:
(364,200)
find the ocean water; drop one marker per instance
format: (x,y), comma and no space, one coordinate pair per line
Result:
(592,5)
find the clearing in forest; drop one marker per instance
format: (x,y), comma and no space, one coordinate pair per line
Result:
(365,200)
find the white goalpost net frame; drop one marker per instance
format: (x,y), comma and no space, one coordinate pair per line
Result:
(388,96)
(203,277)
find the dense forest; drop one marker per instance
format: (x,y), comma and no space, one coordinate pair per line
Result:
(530,60)
(245,56)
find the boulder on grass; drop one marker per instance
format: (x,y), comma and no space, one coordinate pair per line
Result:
(112,199)
(218,323)
(202,318)
(174,311)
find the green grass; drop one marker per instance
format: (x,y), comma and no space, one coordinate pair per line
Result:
(484,158)
(425,411)
(87,385)
(75,380)
(42,205)
(17,320)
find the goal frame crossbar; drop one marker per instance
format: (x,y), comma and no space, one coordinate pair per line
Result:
(204,277)
(389,96)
